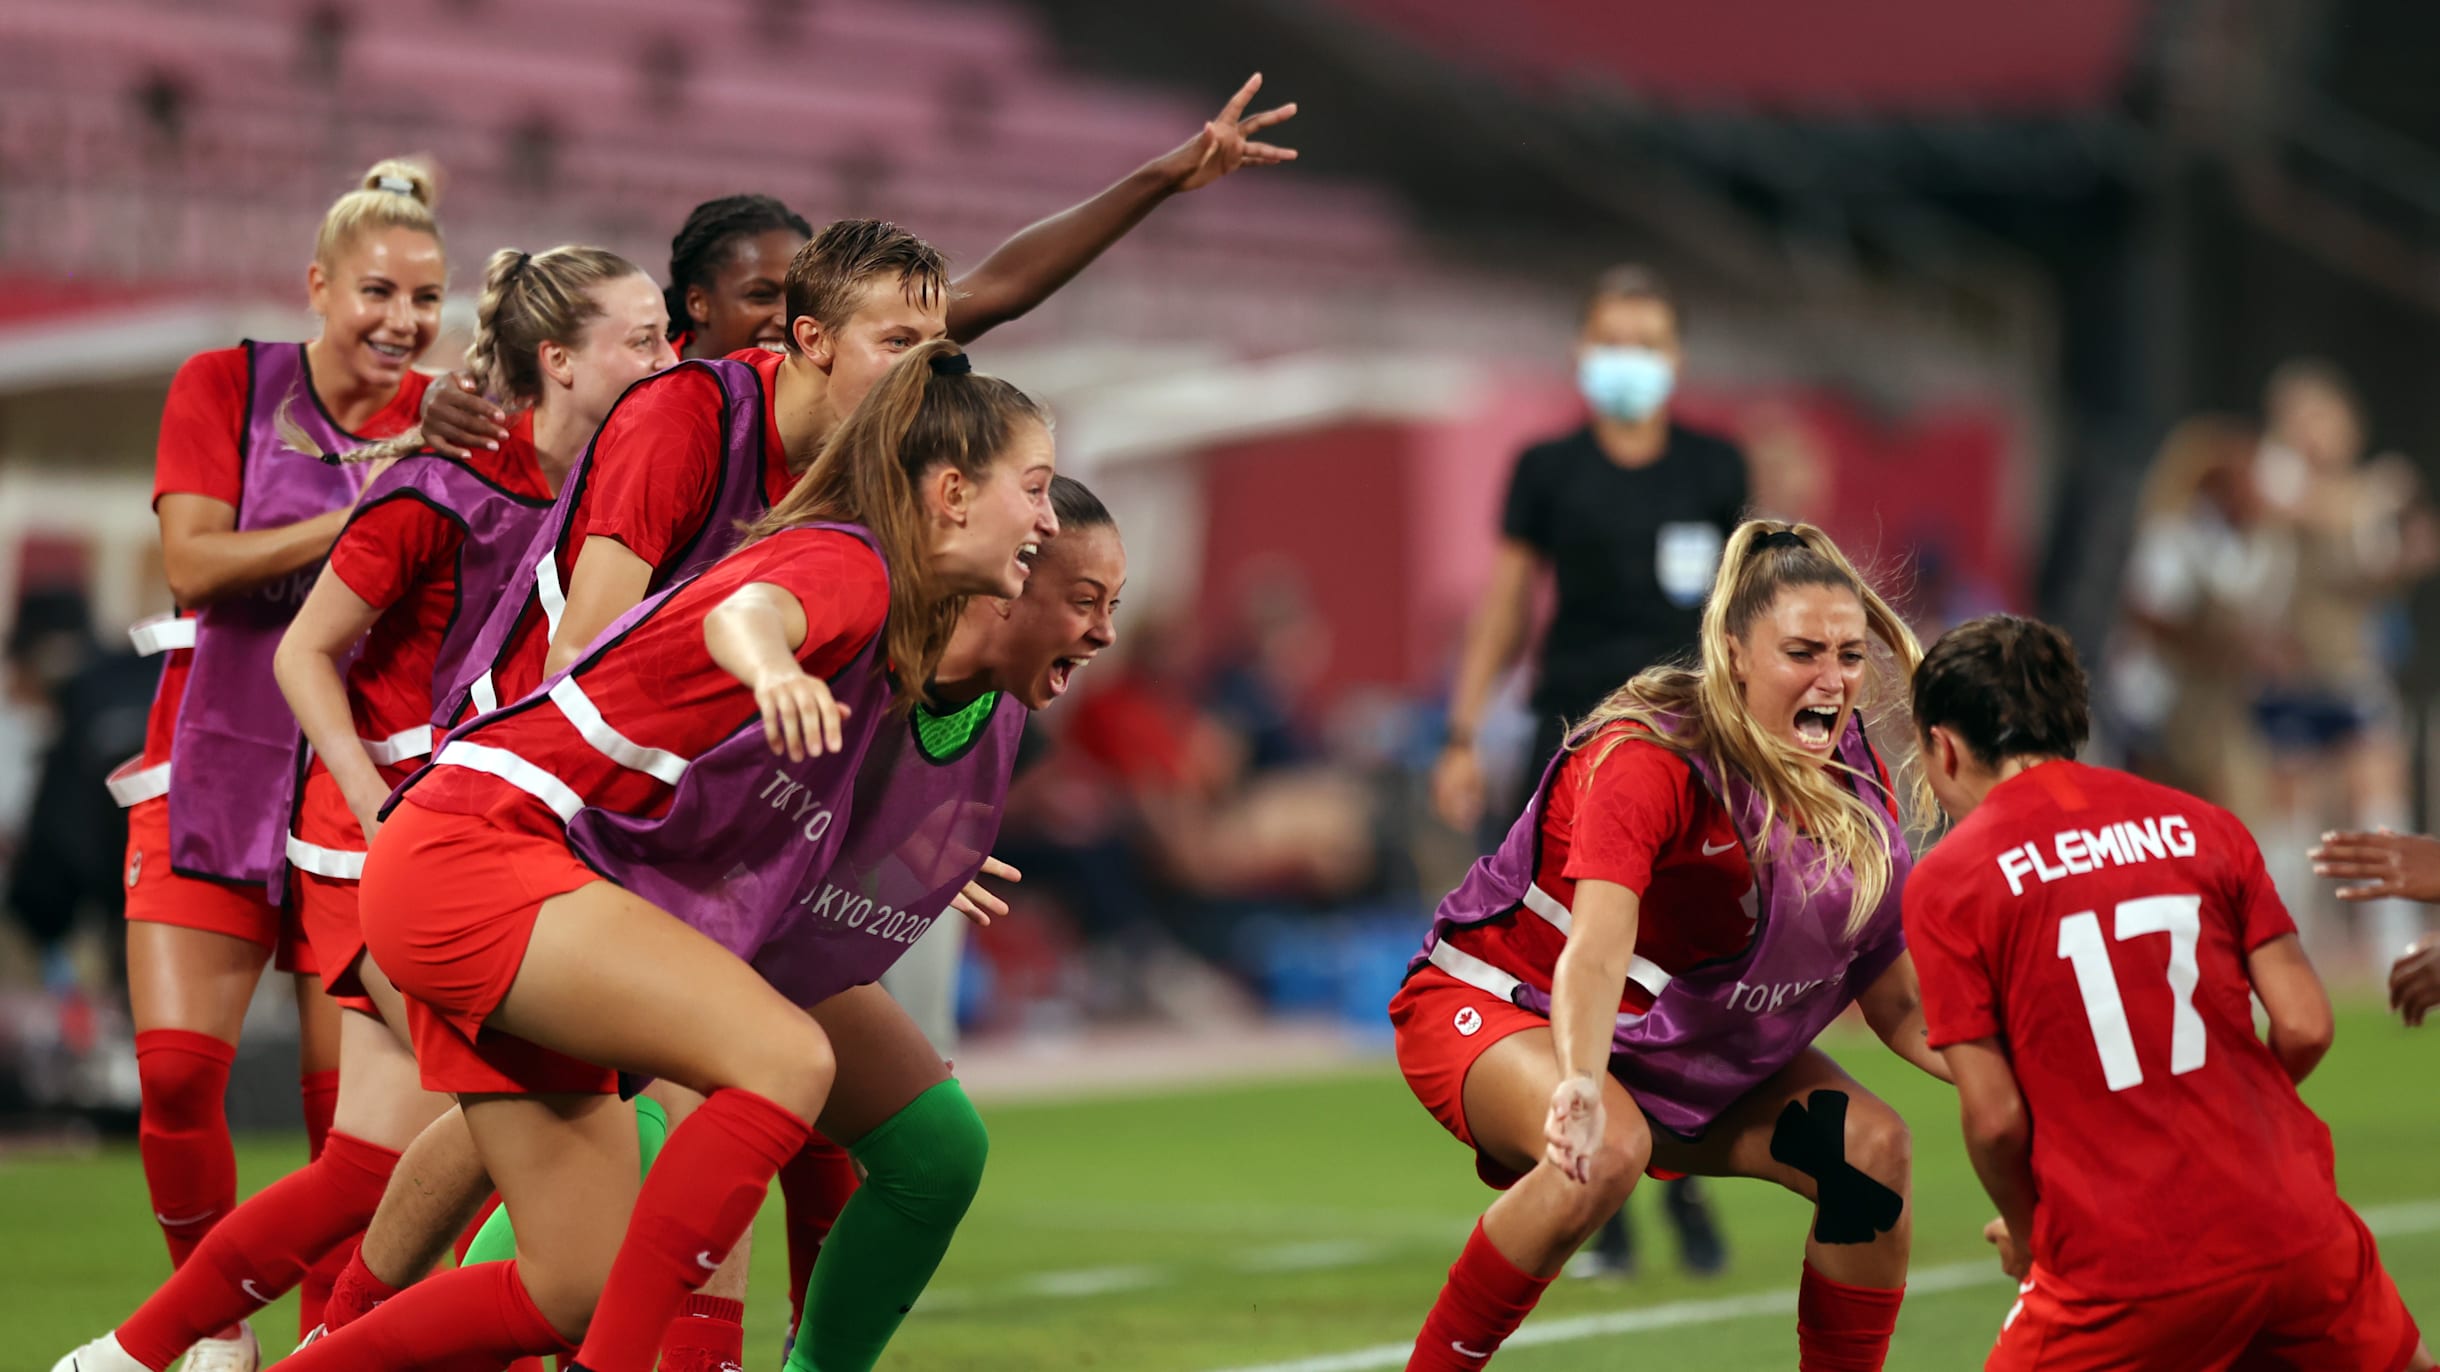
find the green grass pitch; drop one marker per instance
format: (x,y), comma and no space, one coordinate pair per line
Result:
(1238,1227)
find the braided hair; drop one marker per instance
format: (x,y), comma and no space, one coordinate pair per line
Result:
(706,238)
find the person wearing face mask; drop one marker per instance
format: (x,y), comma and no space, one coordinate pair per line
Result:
(561,334)
(245,521)
(1707,875)
(1626,516)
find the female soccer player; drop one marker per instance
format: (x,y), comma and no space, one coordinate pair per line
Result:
(245,522)
(1706,876)
(2091,947)
(652,760)
(728,263)
(560,334)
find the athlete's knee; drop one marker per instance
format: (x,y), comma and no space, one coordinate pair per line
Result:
(183,1076)
(1853,1156)
(791,1065)
(927,1160)
(1612,1175)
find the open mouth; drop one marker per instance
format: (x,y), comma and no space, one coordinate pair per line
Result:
(393,353)
(1063,674)
(1815,726)
(1026,553)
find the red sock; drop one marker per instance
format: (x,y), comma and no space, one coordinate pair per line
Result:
(1843,1328)
(700,1195)
(470,1319)
(815,1185)
(261,1249)
(319,1091)
(1486,1298)
(708,1335)
(183,1133)
(465,1239)
(355,1293)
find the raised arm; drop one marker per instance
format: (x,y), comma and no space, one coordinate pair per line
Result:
(2298,1007)
(754,636)
(1999,1141)
(330,623)
(1584,993)
(1494,637)
(1893,1006)
(1023,272)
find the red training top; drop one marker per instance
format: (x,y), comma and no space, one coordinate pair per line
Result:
(660,688)
(1640,818)
(201,428)
(649,484)
(2097,925)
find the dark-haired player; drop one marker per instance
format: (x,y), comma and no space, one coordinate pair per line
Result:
(728,263)
(2090,945)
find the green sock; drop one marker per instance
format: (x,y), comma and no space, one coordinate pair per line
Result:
(496,1241)
(921,1169)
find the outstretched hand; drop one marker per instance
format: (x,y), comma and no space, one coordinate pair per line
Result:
(1227,142)
(979,906)
(2380,865)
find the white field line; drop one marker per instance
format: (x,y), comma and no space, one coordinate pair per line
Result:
(2408,1217)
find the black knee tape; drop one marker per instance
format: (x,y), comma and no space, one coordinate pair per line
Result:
(1849,1206)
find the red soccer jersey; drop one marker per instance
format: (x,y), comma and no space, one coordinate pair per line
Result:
(654,469)
(202,425)
(1643,820)
(2098,925)
(400,557)
(661,688)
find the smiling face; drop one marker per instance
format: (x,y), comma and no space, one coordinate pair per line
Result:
(1800,665)
(746,304)
(380,302)
(993,527)
(1063,618)
(624,343)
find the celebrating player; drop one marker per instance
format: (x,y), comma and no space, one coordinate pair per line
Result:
(2091,945)
(728,263)
(2380,865)
(1707,875)
(560,334)
(245,522)
(652,760)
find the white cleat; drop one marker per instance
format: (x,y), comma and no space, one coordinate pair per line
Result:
(101,1355)
(240,1354)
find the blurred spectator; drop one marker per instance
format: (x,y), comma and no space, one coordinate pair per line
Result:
(2361,534)
(2207,587)
(75,837)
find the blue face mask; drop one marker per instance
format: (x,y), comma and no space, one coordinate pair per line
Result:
(1625,384)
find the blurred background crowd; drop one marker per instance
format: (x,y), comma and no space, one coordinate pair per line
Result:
(2121,312)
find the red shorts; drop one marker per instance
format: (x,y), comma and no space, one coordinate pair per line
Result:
(447,906)
(157,895)
(2330,1310)
(326,904)
(1440,1025)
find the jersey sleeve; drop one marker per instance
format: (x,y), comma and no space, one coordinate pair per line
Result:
(655,466)
(2261,915)
(1525,514)
(840,584)
(1960,995)
(1635,803)
(388,547)
(201,423)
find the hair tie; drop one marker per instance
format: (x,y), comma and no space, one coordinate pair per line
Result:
(1785,538)
(952,364)
(395,185)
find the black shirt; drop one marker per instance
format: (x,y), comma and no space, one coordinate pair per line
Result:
(1633,550)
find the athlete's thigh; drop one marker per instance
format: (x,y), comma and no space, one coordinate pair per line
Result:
(192,979)
(1507,1102)
(381,1095)
(884,1061)
(1738,1144)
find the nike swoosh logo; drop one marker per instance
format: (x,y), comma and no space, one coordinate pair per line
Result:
(1465,1352)
(259,1298)
(196,1218)
(1712,851)
(706,1261)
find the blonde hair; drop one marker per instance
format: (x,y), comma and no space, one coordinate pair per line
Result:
(1701,710)
(913,420)
(393,194)
(530,299)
